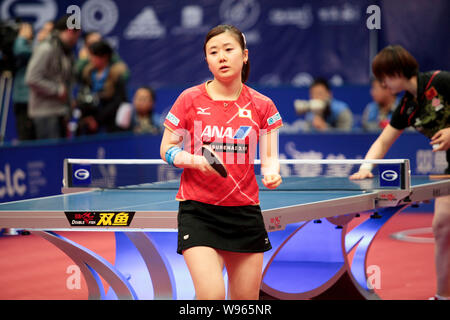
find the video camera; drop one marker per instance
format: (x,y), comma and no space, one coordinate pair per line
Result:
(8,33)
(316,106)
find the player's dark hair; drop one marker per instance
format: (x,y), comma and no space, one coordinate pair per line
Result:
(394,61)
(239,37)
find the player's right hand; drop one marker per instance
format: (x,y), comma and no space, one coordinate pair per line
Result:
(361,174)
(202,164)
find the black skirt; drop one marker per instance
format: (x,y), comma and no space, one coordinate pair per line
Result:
(237,229)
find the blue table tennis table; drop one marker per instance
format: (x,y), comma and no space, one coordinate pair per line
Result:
(306,218)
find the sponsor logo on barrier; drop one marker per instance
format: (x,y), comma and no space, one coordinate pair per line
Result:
(11,182)
(389,175)
(245,14)
(81,175)
(99,219)
(39,11)
(145,25)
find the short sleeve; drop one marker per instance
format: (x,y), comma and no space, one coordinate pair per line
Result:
(400,116)
(176,118)
(272,118)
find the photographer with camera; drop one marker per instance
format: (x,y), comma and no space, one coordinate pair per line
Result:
(322,111)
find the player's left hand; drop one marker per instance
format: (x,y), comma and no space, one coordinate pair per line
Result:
(442,139)
(272,180)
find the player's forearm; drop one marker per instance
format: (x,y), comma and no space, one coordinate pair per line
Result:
(270,165)
(185,159)
(382,145)
(377,151)
(182,159)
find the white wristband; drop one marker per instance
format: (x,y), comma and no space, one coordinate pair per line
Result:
(366,166)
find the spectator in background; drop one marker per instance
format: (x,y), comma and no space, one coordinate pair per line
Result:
(102,90)
(45,31)
(377,113)
(83,55)
(330,113)
(22,50)
(50,77)
(143,101)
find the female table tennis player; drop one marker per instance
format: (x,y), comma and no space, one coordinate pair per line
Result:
(425,106)
(219,218)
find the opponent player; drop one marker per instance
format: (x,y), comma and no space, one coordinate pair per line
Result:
(425,106)
(219,218)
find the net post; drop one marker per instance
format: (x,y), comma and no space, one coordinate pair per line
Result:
(406,175)
(66,178)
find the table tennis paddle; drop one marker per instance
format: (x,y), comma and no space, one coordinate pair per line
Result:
(214,161)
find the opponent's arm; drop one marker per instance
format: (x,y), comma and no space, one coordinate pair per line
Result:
(270,166)
(377,151)
(183,159)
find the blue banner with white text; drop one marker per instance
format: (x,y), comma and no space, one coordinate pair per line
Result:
(290,41)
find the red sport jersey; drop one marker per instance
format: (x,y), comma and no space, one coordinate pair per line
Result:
(232,129)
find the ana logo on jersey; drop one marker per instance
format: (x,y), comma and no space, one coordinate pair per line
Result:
(222,132)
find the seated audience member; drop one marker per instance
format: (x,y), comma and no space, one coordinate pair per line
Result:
(143,121)
(102,90)
(323,111)
(377,113)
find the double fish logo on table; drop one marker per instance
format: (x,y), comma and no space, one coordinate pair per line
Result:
(99,219)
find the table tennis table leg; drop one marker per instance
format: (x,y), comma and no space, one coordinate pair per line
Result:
(138,256)
(361,238)
(92,265)
(312,261)
(138,268)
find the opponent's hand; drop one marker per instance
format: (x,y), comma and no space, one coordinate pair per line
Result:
(272,180)
(361,174)
(442,139)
